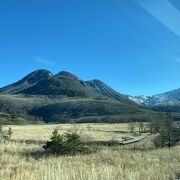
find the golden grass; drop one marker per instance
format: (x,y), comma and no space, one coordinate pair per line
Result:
(93,131)
(132,162)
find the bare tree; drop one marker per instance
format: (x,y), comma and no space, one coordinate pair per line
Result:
(168,126)
(166,133)
(131,127)
(141,127)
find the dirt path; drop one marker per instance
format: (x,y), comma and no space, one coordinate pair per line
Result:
(136,139)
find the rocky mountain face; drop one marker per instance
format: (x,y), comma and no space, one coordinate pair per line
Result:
(138,99)
(102,89)
(168,101)
(66,74)
(167,98)
(160,100)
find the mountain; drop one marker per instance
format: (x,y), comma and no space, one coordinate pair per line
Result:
(60,85)
(168,101)
(167,98)
(26,82)
(64,97)
(138,99)
(103,89)
(66,74)
(43,82)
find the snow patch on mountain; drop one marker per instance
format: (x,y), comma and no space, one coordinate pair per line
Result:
(138,99)
(159,100)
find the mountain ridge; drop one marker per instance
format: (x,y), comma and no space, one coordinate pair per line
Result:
(43,82)
(27,81)
(167,101)
(64,96)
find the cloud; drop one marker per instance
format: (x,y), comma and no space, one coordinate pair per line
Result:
(164,12)
(177,60)
(44,61)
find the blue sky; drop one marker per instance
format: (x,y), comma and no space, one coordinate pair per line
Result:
(132,45)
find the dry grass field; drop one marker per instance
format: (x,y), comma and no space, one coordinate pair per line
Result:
(90,131)
(139,161)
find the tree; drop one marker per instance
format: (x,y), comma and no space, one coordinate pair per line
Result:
(168,126)
(56,145)
(73,143)
(1,131)
(166,135)
(176,134)
(141,127)
(154,126)
(131,127)
(68,143)
(5,135)
(9,133)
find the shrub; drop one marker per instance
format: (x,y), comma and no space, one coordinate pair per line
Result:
(1,132)
(5,135)
(9,133)
(68,143)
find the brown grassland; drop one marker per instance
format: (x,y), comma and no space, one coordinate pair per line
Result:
(19,159)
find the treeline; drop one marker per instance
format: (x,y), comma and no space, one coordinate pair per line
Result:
(166,129)
(15,119)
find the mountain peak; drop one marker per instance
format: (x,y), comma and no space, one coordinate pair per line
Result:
(27,81)
(67,74)
(96,80)
(37,75)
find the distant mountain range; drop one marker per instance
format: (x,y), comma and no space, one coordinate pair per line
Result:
(64,97)
(168,101)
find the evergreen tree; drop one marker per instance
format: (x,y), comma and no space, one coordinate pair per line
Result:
(68,143)
(9,133)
